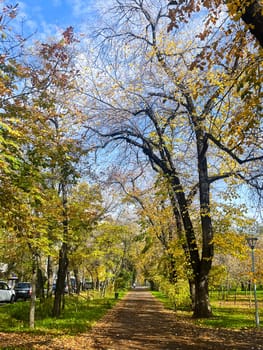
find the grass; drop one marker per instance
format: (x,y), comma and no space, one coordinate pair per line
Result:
(235,310)
(230,317)
(168,304)
(79,314)
(232,310)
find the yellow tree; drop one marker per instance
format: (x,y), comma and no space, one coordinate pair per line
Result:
(12,75)
(249,11)
(111,254)
(60,148)
(224,38)
(85,212)
(155,219)
(181,118)
(39,145)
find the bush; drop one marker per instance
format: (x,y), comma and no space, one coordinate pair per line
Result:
(178,294)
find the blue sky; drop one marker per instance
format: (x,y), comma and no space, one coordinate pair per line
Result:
(49,16)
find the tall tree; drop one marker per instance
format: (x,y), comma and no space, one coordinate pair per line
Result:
(155,219)
(54,81)
(12,88)
(181,121)
(86,210)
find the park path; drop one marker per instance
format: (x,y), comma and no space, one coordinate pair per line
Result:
(139,322)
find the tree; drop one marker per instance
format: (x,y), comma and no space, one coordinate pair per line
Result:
(179,120)
(155,219)
(86,210)
(230,246)
(35,146)
(250,12)
(111,254)
(20,181)
(12,73)
(56,154)
(54,81)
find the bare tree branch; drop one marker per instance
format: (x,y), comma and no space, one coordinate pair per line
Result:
(231,153)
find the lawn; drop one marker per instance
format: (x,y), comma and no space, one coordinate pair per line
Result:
(79,314)
(232,309)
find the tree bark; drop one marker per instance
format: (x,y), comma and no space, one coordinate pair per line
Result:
(63,260)
(61,278)
(77,281)
(40,291)
(202,307)
(253,16)
(172,271)
(33,295)
(49,276)
(192,292)
(200,267)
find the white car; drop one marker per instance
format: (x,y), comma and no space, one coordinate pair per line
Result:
(6,293)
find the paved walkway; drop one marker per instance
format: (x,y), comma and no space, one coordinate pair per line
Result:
(139,322)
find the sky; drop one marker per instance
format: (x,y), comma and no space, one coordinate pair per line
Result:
(47,17)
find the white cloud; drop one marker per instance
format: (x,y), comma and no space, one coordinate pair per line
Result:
(82,8)
(57,3)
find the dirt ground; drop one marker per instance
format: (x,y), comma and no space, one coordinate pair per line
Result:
(139,322)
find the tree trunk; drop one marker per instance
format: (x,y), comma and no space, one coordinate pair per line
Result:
(202,307)
(33,295)
(49,276)
(40,291)
(68,283)
(192,292)
(153,286)
(172,271)
(253,16)
(59,300)
(61,278)
(77,281)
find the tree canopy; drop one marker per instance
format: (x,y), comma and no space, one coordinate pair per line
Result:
(161,113)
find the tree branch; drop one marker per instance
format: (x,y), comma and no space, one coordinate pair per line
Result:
(231,153)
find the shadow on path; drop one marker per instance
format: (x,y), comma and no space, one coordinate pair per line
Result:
(140,322)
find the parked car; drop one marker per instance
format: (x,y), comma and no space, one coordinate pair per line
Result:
(6,293)
(23,290)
